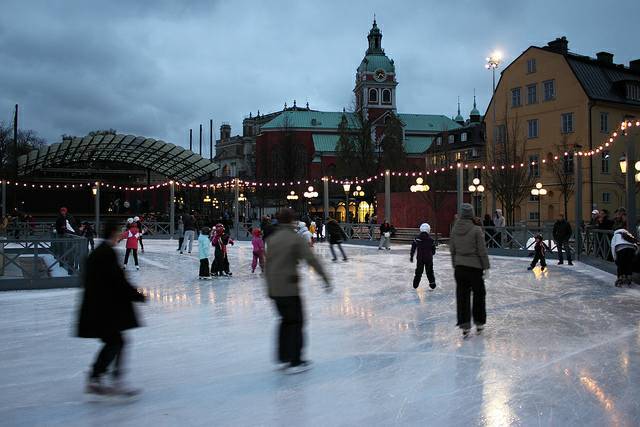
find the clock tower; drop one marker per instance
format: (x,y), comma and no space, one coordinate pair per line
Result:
(375,88)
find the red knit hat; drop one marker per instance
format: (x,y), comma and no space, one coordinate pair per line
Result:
(63,210)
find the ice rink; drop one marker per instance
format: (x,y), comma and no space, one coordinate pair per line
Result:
(561,348)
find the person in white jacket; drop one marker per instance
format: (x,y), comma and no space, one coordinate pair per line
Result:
(305,233)
(623,249)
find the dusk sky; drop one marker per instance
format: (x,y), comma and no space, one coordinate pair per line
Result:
(157,68)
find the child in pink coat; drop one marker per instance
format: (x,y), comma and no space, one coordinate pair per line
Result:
(132,234)
(258,250)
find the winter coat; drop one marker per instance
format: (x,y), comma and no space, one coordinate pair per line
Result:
(562,231)
(88,232)
(622,239)
(181,230)
(189,222)
(63,225)
(267,229)
(385,228)
(131,235)
(258,245)
(499,221)
(286,249)
(467,245)
(425,246)
(204,246)
(336,233)
(106,304)
(540,248)
(306,234)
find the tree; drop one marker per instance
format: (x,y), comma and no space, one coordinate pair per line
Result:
(27,140)
(289,157)
(510,185)
(563,172)
(345,150)
(394,156)
(365,161)
(439,156)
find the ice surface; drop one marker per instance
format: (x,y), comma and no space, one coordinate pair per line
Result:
(561,348)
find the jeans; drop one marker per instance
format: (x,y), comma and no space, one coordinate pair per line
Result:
(420,269)
(135,255)
(333,252)
(112,350)
(189,236)
(384,241)
(469,280)
(290,337)
(567,250)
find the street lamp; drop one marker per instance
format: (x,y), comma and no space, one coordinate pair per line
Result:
(477,189)
(292,196)
(309,194)
(419,186)
(539,191)
(493,62)
(346,187)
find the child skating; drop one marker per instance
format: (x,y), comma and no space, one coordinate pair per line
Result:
(623,249)
(204,250)
(220,240)
(258,250)
(426,248)
(539,250)
(131,235)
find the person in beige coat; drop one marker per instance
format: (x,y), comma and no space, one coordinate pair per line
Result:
(470,259)
(286,249)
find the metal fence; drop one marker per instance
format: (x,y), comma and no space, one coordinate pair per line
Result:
(41,263)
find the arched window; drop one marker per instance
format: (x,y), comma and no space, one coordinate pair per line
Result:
(386,96)
(373,96)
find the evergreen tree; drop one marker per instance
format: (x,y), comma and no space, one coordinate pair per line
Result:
(394,156)
(365,160)
(345,150)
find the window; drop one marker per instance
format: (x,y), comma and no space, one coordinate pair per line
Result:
(438,141)
(534,169)
(605,162)
(515,97)
(533,128)
(567,122)
(567,165)
(452,139)
(458,155)
(604,122)
(533,216)
(386,96)
(532,94)
(633,91)
(531,66)
(475,154)
(549,90)
(500,134)
(606,197)
(373,96)
(463,137)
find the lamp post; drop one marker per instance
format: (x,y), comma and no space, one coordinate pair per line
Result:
(357,193)
(419,186)
(632,179)
(477,189)
(346,187)
(292,197)
(538,191)
(493,62)
(309,195)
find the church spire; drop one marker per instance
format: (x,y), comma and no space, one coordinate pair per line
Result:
(474,116)
(375,39)
(459,117)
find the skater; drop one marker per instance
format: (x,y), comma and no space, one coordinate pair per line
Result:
(142,230)
(304,232)
(180,233)
(336,237)
(220,240)
(131,235)
(470,260)
(286,249)
(426,249)
(105,312)
(385,236)
(204,249)
(499,223)
(313,230)
(87,231)
(258,250)
(561,234)
(539,249)
(623,248)
(189,232)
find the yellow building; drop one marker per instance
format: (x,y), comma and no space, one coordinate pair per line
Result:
(549,100)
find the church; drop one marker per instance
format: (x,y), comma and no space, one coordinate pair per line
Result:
(315,133)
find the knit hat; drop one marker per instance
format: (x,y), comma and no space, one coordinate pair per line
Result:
(256,232)
(595,212)
(63,210)
(425,228)
(136,218)
(499,211)
(466,211)
(129,220)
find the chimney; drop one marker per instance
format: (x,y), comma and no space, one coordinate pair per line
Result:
(559,45)
(605,57)
(225,131)
(635,65)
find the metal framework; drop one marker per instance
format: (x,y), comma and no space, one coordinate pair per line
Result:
(167,159)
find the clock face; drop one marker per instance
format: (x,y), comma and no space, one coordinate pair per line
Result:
(379,75)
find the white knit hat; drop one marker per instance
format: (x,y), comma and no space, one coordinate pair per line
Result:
(425,228)
(129,220)
(136,218)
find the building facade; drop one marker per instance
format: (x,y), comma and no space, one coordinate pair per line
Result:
(549,101)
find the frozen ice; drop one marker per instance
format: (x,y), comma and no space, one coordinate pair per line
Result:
(560,348)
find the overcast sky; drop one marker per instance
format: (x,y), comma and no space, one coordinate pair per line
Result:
(157,68)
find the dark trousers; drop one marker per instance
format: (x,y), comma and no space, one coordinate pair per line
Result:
(180,242)
(135,255)
(204,267)
(112,350)
(538,257)
(333,252)
(290,338)
(141,244)
(567,250)
(624,261)
(469,280)
(420,269)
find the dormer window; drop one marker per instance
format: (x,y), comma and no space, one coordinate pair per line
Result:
(633,91)
(373,96)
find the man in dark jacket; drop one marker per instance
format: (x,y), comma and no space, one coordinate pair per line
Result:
(426,248)
(336,237)
(106,311)
(267,227)
(561,234)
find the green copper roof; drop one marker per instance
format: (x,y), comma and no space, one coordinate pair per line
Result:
(372,62)
(310,120)
(327,143)
(427,123)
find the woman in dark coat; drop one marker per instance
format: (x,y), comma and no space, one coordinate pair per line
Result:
(106,311)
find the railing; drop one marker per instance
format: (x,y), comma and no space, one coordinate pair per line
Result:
(361,231)
(597,243)
(41,263)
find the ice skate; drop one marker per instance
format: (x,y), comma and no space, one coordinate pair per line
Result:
(529,268)
(298,368)
(542,268)
(466,333)
(120,388)
(570,263)
(432,286)
(138,267)
(479,329)
(96,387)
(345,259)
(618,283)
